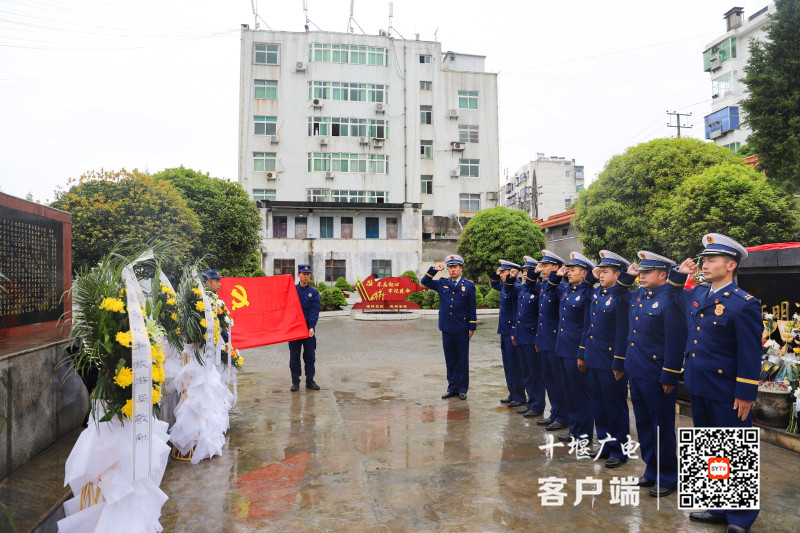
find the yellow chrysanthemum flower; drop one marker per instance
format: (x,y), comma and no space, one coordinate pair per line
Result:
(204,323)
(115,305)
(219,310)
(240,361)
(197,292)
(164,289)
(127,409)
(174,317)
(156,394)
(158,374)
(124,377)
(171,301)
(124,338)
(200,306)
(796,350)
(158,354)
(178,331)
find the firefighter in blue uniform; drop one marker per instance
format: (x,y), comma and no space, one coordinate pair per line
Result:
(527,295)
(573,315)
(723,351)
(604,337)
(457,321)
(550,290)
(653,358)
(309,301)
(212,282)
(505,328)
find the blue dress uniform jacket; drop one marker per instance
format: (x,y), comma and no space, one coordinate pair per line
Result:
(550,291)
(723,347)
(657,337)
(457,308)
(508,304)
(573,316)
(527,313)
(606,332)
(309,301)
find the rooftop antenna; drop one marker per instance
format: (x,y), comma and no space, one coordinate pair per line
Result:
(256,16)
(308,20)
(391,16)
(352,20)
(435,38)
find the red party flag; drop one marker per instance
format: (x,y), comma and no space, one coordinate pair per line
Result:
(264,310)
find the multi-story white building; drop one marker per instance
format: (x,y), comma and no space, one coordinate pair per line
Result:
(544,187)
(350,142)
(724,59)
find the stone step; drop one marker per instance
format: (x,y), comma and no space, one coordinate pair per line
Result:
(35,492)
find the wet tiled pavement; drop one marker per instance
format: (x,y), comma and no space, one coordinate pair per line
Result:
(378,450)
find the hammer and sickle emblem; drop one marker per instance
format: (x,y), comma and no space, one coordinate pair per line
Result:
(239,296)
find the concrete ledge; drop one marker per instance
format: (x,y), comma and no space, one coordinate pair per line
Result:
(385,317)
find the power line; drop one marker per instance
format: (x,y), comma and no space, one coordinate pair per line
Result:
(678,121)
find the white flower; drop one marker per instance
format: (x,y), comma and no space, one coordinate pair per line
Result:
(797,393)
(769,316)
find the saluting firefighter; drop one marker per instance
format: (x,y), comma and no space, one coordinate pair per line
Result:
(505,328)
(309,301)
(723,351)
(573,315)
(546,336)
(653,359)
(604,339)
(457,321)
(524,339)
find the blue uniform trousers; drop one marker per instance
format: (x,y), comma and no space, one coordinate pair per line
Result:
(309,347)
(516,388)
(531,364)
(610,409)
(654,409)
(710,413)
(551,373)
(575,385)
(456,358)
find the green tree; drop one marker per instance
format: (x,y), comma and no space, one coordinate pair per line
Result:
(732,199)
(492,299)
(773,103)
(230,222)
(479,299)
(428,299)
(110,207)
(411,275)
(342,284)
(416,297)
(616,211)
(498,233)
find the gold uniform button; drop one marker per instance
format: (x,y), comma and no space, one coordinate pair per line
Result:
(695,341)
(702,315)
(631,344)
(654,357)
(692,355)
(634,331)
(591,336)
(562,329)
(637,318)
(719,371)
(640,305)
(698,328)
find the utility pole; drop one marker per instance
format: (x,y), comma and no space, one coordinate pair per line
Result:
(678,121)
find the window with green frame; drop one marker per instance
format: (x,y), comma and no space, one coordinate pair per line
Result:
(265,54)
(468,99)
(266,89)
(344,53)
(265,125)
(725,50)
(469,168)
(264,161)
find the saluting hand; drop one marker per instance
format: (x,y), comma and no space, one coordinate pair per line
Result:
(562,271)
(688,266)
(596,272)
(514,272)
(439,267)
(633,269)
(538,268)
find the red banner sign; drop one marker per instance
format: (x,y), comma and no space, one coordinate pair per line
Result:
(386,293)
(264,310)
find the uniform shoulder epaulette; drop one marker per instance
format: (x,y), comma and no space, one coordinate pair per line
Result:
(743,294)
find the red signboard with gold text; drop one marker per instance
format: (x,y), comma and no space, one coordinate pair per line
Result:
(386,293)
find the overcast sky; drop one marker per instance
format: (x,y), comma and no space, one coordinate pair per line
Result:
(153,84)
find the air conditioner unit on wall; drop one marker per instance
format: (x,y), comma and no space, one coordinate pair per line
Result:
(323,141)
(274,139)
(380,108)
(329,175)
(457,146)
(317,102)
(299,67)
(363,140)
(272,174)
(377,142)
(454,173)
(453,113)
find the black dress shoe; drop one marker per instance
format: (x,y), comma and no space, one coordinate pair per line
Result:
(505,400)
(462,395)
(555,426)
(660,492)
(533,414)
(514,403)
(644,482)
(449,394)
(522,410)
(613,462)
(295,386)
(707,518)
(545,421)
(311,385)
(733,528)
(595,452)
(566,437)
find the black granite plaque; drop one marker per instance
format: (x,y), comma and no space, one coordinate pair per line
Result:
(779,292)
(31,258)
